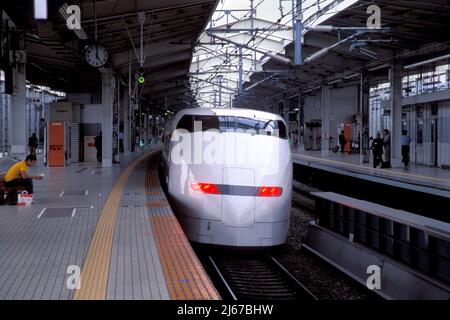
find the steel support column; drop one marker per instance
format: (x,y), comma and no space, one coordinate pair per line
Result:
(107,117)
(396,111)
(325,120)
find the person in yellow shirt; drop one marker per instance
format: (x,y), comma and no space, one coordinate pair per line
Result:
(17,175)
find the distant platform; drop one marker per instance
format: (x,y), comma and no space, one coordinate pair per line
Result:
(112,226)
(430,180)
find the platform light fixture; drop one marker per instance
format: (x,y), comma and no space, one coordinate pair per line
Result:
(335,81)
(383,66)
(422,63)
(352,76)
(40,10)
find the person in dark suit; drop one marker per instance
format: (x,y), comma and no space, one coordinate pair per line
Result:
(98,146)
(377,150)
(342,141)
(33,144)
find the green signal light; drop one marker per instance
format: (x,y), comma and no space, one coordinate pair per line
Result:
(141,79)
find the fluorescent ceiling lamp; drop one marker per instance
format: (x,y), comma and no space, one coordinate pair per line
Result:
(335,81)
(352,76)
(322,28)
(383,66)
(415,65)
(40,9)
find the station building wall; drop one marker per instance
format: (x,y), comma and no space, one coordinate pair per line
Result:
(344,103)
(428,126)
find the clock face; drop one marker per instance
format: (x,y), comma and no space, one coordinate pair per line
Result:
(96,55)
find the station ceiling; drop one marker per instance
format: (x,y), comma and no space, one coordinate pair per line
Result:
(55,53)
(418,31)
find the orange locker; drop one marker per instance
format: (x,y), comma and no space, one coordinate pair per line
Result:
(348,136)
(56,144)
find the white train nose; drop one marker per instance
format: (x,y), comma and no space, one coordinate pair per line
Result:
(238,210)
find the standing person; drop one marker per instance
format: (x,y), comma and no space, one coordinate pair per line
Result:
(405,141)
(98,146)
(365,145)
(342,140)
(121,142)
(17,176)
(387,148)
(377,150)
(32,144)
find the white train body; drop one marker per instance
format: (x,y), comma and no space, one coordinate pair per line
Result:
(231,188)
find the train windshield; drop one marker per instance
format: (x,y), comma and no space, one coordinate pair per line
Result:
(233,124)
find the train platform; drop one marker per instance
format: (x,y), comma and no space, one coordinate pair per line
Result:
(429,180)
(98,233)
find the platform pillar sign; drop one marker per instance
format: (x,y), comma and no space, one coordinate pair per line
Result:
(116,120)
(126,120)
(325,121)
(363,126)
(107,117)
(17,134)
(56,144)
(396,111)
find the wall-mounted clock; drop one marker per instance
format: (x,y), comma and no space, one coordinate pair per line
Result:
(96,55)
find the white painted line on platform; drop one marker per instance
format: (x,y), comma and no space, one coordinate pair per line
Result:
(93,172)
(42,212)
(61,194)
(73,212)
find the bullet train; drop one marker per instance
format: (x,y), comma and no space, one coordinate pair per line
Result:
(229,176)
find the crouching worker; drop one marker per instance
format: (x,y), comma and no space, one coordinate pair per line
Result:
(18,177)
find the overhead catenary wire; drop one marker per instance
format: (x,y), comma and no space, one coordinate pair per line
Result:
(257,31)
(270,32)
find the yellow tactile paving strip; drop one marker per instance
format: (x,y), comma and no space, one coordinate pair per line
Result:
(94,275)
(185,277)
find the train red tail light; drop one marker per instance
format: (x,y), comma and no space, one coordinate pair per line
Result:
(269,192)
(208,188)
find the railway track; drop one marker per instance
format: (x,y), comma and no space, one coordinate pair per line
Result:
(257,277)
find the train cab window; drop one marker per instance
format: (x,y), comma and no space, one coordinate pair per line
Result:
(232,124)
(249,123)
(272,125)
(186,123)
(227,123)
(208,122)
